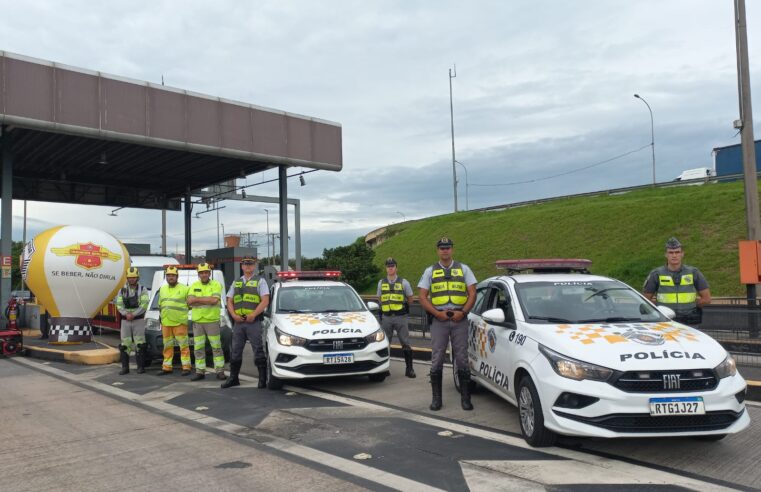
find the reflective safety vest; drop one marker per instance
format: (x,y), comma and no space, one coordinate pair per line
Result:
(448,285)
(206,313)
(173,305)
(132,300)
(246,295)
(682,297)
(392,297)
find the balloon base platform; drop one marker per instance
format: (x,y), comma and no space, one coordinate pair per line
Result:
(88,353)
(67,330)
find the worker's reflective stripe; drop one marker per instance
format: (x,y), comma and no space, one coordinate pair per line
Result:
(680,298)
(246,296)
(448,285)
(216,343)
(173,305)
(392,296)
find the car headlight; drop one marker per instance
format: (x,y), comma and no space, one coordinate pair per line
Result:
(152,324)
(288,340)
(377,336)
(726,369)
(575,369)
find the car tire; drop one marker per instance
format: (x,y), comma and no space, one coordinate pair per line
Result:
(710,437)
(378,377)
(273,382)
(473,385)
(530,416)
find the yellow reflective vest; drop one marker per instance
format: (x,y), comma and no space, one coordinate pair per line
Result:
(246,295)
(206,313)
(448,285)
(173,305)
(392,297)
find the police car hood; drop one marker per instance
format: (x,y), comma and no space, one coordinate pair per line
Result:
(634,346)
(327,325)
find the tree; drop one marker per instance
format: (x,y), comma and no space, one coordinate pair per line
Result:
(355,262)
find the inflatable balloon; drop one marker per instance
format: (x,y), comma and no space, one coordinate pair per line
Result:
(74,271)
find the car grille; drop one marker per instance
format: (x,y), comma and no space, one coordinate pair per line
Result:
(654,382)
(333,344)
(316,369)
(643,422)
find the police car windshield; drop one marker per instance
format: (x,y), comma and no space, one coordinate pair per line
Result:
(584,302)
(318,299)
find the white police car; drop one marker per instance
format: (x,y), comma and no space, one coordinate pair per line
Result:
(586,355)
(317,326)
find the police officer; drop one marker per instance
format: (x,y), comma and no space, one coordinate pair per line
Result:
(132,302)
(205,301)
(395,296)
(452,288)
(173,308)
(247,299)
(681,287)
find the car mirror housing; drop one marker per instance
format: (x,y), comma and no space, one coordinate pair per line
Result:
(667,311)
(373,306)
(494,316)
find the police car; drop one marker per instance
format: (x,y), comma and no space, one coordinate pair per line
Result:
(316,326)
(585,355)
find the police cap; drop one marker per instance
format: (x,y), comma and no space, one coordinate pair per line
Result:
(444,242)
(390,261)
(673,243)
(248,260)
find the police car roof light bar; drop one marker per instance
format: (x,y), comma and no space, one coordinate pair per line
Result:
(552,265)
(309,275)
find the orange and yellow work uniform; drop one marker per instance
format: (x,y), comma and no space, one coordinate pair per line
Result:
(173,306)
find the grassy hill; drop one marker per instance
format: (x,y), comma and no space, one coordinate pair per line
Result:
(623,235)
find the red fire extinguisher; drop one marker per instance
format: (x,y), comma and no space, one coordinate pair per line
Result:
(11,313)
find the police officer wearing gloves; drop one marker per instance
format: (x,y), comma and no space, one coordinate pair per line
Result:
(681,287)
(173,308)
(132,302)
(452,287)
(395,295)
(205,301)
(247,299)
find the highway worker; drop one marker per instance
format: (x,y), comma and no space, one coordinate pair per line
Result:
(452,288)
(173,306)
(205,301)
(681,287)
(395,295)
(132,303)
(247,299)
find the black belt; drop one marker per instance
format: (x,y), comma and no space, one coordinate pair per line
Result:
(394,314)
(136,317)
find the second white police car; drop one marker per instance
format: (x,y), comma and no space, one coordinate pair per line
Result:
(317,326)
(586,355)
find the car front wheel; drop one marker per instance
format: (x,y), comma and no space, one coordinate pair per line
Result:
(273,382)
(531,416)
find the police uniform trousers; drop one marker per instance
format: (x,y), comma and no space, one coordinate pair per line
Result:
(132,333)
(251,332)
(398,323)
(441,333)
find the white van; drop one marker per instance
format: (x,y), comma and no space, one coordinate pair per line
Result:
(187,275)
(697,173)
(148,265)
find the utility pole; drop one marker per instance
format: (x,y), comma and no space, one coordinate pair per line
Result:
(451,120)
(745,124)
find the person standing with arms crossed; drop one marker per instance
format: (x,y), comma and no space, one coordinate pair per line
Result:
(247,299)
(395,295)
(205,301)
(452,287)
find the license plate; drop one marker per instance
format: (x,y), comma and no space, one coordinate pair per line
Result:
(338,359)
(692,405)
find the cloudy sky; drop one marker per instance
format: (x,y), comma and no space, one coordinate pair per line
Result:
(542,87)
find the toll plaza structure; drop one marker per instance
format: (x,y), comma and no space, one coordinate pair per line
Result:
(79,136)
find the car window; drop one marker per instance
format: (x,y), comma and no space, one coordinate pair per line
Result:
(600,301)
(500,299)
(318,299)
(478,306)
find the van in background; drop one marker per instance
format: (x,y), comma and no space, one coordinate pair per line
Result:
(697,173)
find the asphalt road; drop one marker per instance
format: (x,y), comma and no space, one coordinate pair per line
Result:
(68,427)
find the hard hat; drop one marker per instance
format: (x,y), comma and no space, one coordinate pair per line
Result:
(132,272)
(171,270)
(673,243)
(204,267)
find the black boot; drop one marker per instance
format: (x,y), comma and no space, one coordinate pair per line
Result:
(124,359)
(232,379)
(409,371)
(464,376)
(435,390)
(141,351)
(261,366)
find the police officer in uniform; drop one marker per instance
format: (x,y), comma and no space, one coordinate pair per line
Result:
(452,288)
(681,287)
(395,295)
(132,302)
(247,299)
(205,301)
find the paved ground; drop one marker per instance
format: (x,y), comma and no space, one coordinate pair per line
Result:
(86,428)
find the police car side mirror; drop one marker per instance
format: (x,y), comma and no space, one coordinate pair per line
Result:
(373,306)
(667,311)
(496,315)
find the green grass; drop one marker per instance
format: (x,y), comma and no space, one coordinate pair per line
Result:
(623,235)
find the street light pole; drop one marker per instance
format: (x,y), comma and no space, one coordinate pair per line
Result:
(652,132)
(467,204)
(268,235)
(451,119)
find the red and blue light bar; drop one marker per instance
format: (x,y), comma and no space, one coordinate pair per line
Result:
(309,275)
